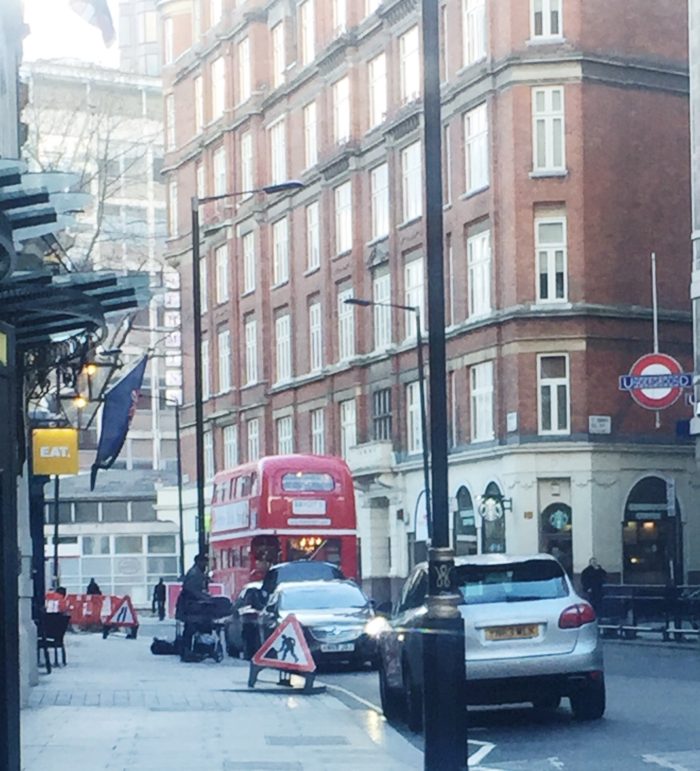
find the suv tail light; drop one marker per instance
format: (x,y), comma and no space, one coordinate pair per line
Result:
(576,616)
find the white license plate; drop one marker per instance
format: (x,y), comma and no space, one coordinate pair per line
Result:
(337,648)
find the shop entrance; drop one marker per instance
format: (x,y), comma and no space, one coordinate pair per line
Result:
(493,527)
(464,524)
(556,534)
(652,534)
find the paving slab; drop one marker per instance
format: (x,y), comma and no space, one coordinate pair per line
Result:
(117,707)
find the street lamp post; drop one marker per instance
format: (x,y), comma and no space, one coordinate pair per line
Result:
(415,309)
(444,675)
(196,202)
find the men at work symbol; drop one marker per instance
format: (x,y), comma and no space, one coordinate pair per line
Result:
(288,645)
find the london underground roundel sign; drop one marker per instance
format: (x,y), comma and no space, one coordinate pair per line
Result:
(656,381)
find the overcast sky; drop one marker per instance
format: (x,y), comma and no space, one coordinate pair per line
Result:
(57,32)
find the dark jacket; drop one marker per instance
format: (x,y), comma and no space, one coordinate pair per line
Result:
(592,580)
(93,588)
(193,591)
(158,593)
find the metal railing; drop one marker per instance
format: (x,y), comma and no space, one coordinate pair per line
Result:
(629,611)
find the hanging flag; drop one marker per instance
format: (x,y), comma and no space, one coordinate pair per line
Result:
(97,13)
(119,408)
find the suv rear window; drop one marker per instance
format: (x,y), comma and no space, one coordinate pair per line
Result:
(307,482)
(517,582)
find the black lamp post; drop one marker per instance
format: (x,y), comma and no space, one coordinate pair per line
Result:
(444,674)
(415,309)
(196,202)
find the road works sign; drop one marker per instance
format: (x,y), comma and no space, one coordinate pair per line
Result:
(123,614)
(656,381)
(55,451)
(286,649)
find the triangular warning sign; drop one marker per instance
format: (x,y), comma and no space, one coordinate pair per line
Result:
(286,648)
(123,614)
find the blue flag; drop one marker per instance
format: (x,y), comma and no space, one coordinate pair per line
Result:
(119,407)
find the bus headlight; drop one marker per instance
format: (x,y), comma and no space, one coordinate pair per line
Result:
(376,626)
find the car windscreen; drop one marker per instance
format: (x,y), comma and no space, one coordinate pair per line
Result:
(535,579)
(322,598)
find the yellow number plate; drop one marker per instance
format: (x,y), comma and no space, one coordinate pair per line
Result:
(519,632)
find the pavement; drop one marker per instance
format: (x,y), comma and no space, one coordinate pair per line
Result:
(117,706)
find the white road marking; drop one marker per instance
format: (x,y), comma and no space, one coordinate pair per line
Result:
(352,695)
(474,759)
(484,749)
(663,763)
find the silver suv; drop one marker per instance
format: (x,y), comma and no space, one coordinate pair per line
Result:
(529,638)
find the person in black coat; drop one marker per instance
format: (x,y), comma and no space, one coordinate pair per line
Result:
(93,588)
(592,580)
(194,590)
(159,599)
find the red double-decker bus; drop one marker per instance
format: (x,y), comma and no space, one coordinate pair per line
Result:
(279,509)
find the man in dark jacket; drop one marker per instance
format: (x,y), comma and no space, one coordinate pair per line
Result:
(592,579)
(93,587)
(159,599)
(194,590)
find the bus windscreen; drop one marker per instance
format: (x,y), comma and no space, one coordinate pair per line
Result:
(307,482)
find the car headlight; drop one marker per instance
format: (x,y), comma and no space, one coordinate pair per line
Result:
(376,626)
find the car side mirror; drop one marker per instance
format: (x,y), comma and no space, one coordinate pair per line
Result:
(384,609)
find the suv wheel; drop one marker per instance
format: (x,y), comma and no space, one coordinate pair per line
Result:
(588,703)
(390,698)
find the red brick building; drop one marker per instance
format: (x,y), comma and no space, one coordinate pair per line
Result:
(566,164)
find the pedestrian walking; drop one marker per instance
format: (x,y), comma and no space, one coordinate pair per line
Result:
(593,579)
(93,588)
(194,591)
(158,601)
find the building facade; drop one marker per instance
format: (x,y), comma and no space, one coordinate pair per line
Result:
(105,127)
(557,189)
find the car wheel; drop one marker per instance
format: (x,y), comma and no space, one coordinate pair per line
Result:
(548,703)
(390,698)
(588,703)
(414,702)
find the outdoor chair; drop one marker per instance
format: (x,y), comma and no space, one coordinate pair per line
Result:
(52,628)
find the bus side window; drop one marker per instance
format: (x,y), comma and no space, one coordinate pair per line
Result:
(232,491)
(253,484)
(244,487)
(232,557)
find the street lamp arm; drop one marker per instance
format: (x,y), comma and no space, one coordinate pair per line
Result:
(282,187)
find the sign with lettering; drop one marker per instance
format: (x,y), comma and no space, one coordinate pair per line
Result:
(55,451)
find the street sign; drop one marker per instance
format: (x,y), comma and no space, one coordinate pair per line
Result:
(655,381)
(54,451)
(123,615)
(286,649)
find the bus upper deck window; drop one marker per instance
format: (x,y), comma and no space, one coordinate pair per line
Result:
(308,482)
(232,491)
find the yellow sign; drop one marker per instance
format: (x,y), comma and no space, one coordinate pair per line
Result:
(55,451)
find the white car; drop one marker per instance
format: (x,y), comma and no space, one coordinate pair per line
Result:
(529,638)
